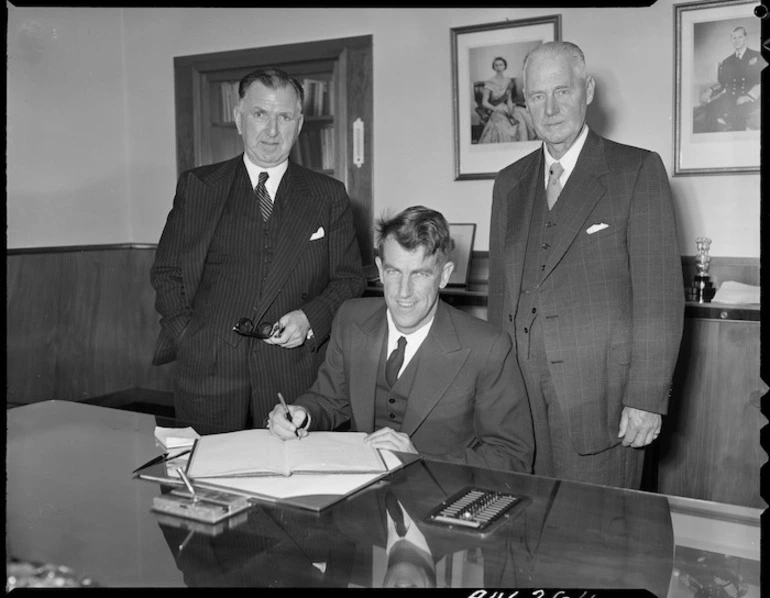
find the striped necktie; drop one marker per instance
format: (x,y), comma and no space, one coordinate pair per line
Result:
(265,204)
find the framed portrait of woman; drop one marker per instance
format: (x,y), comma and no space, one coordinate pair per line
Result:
(492,127)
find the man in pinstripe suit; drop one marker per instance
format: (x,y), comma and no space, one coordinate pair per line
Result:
(238,251)
(585,275)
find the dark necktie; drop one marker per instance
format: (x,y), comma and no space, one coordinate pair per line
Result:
(395,512)
(554,186)
(265,205)
(395,361)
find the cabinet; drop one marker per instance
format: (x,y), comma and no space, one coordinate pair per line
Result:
(336,137)
(709,445)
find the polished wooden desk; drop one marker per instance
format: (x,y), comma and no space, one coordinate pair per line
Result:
(72,501)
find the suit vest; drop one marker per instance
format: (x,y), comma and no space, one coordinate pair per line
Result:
(239,258)
(390,403)
(543,230)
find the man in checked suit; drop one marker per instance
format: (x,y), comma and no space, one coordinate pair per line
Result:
(415,373)
(240,253)
(590,286)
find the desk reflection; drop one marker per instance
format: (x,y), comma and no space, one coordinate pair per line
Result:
(564,535)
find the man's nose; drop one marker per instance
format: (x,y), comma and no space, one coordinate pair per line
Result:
(272,127)
(405,287)
(551,107)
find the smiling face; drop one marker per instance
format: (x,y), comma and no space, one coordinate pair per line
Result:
(269,121)
(557,95)
(411,282)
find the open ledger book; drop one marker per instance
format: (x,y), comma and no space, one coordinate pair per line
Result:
(253,453)
(312,491)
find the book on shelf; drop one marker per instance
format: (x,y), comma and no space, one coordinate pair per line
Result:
(229,94)
(257,452)
(317,97)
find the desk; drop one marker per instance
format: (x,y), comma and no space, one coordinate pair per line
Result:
(71,501)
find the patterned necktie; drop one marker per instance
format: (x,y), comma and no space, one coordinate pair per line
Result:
(265,204)
(554,186)
(395,361)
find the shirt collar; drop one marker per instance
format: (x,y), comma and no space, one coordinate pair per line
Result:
(413,339)
(568,160)
(276,174)
(741,52)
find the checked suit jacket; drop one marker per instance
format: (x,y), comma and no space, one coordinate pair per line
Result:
(612,301)
(467,403)
(315,275)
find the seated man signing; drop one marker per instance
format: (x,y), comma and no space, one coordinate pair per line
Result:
(415,373)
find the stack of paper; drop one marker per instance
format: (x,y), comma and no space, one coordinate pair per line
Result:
(736,292)
(173,438)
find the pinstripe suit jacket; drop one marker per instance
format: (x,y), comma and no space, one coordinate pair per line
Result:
(612,302)
(467,403)
(315,276)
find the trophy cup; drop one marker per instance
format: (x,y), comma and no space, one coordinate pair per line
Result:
(702,289)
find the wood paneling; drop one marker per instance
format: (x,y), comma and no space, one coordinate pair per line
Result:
(709,445)
(81,324)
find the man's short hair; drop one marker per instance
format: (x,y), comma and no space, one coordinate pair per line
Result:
(273,78)
(572,51)
(415,227)
(740,28)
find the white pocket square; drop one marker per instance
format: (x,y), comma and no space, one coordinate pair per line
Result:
(595,228)
(319,234)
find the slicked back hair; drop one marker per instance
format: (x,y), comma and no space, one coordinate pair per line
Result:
(572,51)
(415,227)
(273,78)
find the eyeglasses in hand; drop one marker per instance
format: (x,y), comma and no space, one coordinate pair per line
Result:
(245,327)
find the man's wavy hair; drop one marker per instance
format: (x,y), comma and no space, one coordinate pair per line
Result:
(272,78)
(415,227)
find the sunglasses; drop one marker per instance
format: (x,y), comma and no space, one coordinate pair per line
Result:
(263,330)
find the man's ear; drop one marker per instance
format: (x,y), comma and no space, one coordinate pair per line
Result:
(590,86)
(237,118)
(378,263)
(446,272)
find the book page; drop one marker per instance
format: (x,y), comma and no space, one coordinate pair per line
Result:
(278,488)
(247,452)
(343,452)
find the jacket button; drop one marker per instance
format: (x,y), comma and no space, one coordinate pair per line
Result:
(392,416)
(510,318)
(304,295)
(391,400)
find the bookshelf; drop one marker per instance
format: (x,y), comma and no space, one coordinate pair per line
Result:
(337,77)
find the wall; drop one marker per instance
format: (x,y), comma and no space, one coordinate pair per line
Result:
(91,125)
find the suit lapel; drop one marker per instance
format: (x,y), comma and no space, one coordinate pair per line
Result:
(580,195)
(521,200)
(441,357)
(205,201)
(367,340)
(299,221)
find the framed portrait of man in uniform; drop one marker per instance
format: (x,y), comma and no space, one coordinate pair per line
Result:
(718,91)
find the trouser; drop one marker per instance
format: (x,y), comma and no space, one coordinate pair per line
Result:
(555,455)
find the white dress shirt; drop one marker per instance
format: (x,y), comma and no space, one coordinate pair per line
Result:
(413,340)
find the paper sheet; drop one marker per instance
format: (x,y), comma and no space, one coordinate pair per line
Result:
(736,292)
(172,438)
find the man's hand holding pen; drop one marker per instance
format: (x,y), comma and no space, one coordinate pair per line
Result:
(288,421)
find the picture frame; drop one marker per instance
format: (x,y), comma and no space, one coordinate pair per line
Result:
(486,141)
(713,134)
(463,234)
